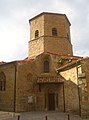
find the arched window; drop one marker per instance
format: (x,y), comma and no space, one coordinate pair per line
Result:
(36,33)
(2,82)
(46,66)
(54,31)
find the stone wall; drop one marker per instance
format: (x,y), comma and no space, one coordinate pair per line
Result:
(7,96)
(25,86)
(84,88)
(36,47)
(71,90)
(46,42)
(29,95)
(58,21)
(37,24)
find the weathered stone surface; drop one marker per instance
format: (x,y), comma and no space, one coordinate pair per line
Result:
(46,42)
(65,87)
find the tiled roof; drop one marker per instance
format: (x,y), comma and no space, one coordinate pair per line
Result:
(71,64)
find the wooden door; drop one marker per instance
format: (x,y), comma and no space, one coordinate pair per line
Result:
(51,101)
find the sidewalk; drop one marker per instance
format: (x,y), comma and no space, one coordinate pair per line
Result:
(46,116)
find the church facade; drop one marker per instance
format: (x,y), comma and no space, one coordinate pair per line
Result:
(51,78)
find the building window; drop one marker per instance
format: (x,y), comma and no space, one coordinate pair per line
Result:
(36,33)
(54,31)
(2,82)
(46,66)
(68,36)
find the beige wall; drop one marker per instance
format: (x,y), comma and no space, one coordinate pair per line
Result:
(70,75)
(25,85)
(56,21)
(84,88)
(28,94)
(27,88)
(59,44)
(30,88)
(36,47)
(7,96)
(71,90)
(37,24)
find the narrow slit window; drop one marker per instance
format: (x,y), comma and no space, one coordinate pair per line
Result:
(68,36)
(54,31)
(46,66)
(36,33)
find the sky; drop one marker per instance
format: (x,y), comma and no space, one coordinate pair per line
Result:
(14,25)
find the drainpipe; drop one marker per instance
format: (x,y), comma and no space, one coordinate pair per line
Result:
(15,88)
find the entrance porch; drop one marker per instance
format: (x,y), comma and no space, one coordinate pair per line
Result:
(51,94)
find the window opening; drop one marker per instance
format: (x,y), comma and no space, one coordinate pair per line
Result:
(46,66)
(36,33)
(54,31)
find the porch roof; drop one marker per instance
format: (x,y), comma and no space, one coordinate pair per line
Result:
(50,79)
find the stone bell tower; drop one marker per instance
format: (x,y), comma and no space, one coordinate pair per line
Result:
(49,32)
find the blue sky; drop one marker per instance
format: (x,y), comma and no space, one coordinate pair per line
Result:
(14,24)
